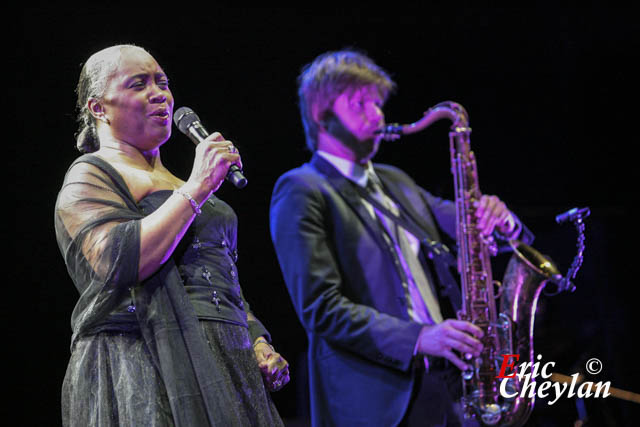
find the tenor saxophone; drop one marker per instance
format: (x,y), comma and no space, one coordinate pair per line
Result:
(508,325)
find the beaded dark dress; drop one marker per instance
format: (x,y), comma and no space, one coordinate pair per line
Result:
(173,350)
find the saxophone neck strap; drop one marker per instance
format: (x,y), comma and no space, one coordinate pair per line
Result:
(436,250)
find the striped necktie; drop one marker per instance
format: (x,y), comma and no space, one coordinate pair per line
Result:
(424,306)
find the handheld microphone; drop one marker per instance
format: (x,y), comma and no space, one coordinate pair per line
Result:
(189,123)
(572,215)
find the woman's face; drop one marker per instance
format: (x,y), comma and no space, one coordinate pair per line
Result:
(137,102)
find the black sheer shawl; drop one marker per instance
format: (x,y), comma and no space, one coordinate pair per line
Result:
(97,224)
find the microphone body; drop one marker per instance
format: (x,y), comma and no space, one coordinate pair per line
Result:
(189,124)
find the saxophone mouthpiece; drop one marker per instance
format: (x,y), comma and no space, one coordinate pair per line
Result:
(390,132)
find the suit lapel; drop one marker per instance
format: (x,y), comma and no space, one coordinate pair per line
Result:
(346,189)
(396,193)
(442,264)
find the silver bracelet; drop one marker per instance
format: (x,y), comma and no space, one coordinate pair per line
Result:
(194,204)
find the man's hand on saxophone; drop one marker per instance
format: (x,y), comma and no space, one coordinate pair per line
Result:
(492,214)
(443,338)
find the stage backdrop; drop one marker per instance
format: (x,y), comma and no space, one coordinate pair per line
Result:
(548,90)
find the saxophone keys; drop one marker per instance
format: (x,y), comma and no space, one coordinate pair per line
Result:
(497,289)
(491,245)
(467,374)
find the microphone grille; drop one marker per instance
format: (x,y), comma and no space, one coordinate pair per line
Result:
(184,117)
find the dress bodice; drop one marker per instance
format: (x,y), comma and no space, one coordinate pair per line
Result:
(206,259)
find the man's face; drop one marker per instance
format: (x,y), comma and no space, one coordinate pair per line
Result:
(360,114)
(360,110)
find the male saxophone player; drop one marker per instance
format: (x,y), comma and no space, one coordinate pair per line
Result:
(385,348)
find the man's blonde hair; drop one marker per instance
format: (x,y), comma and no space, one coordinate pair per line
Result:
(329,75)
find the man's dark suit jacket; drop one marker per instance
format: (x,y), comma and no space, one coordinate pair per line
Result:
(347,291)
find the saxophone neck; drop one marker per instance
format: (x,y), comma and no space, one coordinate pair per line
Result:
(449,110)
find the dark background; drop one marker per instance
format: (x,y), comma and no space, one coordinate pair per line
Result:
(548,90)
